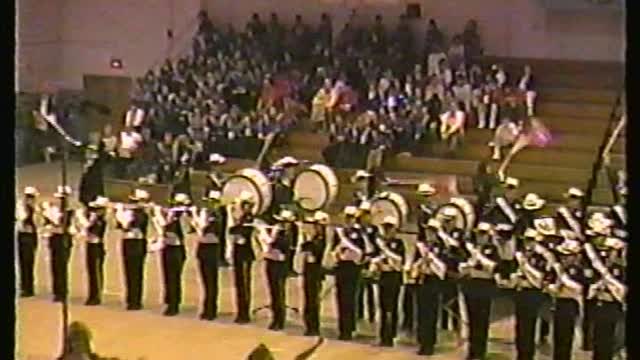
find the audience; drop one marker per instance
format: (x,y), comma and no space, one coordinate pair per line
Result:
(234,89)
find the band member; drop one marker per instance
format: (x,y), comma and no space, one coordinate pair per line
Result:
(546,227)
(505,242)
(367,182)
(565,286)
(528,298)
(133,220)
(453,253)
(479,287)
(27,240)
(95,225)
(348,250)
(530,209)
(91,184)
(608,293)
(215,177)
(429,269)
(57,223)
(599,229)
(241,235)
(369,232)
(504,209)
(276,250)
(389,261)
(569,217)
(312,251)
(618,214)
(209,225)
(214,186)
(425,211)
(282,186)
(171,236)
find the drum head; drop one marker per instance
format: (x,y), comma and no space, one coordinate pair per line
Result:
(381,208)
(311,190)
(236,184)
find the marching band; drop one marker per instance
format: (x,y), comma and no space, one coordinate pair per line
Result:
(450,275)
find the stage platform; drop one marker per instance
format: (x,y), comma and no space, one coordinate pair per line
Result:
(148,335)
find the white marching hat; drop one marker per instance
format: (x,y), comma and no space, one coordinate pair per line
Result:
(365,206)
(614,243)
(99,202)
(533,202)
(511,182)
(574,192)
(139,194)
(181,198)
(569,247)
(287,161)
(350,211)
(390,220)
(532,234)
(319,217)
(504,227)
(484,227)
(245,196)
(361,174)
(426,189)
(433,223)
(545,226)
(217,158)
(63,191)
(30,190)
(213,195)
(599,223)
(285,215)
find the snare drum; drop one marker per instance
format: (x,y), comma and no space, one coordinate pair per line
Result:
(389,204)
(315,187)
(253,181)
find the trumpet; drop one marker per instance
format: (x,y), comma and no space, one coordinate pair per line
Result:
(344,243)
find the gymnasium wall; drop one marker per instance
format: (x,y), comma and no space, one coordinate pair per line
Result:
(85,35)
(61,40)
(514,28)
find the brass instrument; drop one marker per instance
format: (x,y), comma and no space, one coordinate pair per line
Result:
(199,219)
(476,258)
(21,212)
(526,272)
(427,263)
(388,259)
(81,222)
(343,244)
(608,282)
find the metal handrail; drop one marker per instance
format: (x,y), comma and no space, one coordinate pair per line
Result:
(598,163)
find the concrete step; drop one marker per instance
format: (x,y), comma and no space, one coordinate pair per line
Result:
(588,95)
(595,126)
(561,140)
(574,109)
(566,73)
(533,156)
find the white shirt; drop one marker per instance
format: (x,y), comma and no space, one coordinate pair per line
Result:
(129,142)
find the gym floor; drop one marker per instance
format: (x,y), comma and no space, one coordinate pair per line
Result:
(148,335)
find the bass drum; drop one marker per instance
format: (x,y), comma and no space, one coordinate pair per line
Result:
(465,213)
(315,187)
(252,181)
(389,204)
